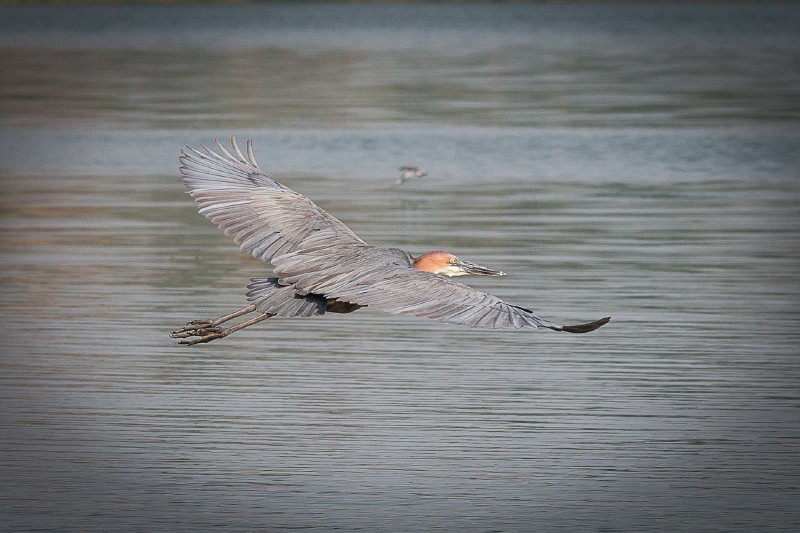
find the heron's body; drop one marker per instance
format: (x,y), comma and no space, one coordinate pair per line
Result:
(321,265)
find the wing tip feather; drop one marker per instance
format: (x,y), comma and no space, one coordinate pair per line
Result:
(587,327)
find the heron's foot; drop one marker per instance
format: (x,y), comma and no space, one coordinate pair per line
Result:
(199,334)
(199,331)
(189,329)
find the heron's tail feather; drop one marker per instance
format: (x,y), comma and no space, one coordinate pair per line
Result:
(282,300)
(586,328)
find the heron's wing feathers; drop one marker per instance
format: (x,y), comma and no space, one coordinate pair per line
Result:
(376,280)
(266,219)
(282,300)
(427,295)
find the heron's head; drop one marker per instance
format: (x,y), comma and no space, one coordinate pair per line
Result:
(446,264)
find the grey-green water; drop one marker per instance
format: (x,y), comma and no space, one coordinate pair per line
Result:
(638,161)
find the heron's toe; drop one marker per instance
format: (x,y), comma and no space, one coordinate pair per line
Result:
(191,328)
(203,335)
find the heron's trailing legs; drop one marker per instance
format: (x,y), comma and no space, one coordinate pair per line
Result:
(208,330)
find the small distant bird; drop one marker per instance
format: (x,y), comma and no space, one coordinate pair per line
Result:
(321,265)
(408,173)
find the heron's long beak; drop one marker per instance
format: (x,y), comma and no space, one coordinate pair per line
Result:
(470,268)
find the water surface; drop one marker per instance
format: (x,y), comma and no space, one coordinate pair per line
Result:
(638,161)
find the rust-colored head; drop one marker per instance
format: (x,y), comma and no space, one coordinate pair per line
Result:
(446,264)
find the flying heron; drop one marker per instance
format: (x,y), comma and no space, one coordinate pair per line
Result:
(321,265)
(408,173)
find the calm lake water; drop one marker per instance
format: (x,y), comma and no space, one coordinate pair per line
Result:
(639,161)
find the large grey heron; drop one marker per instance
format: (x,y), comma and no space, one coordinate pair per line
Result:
(321,265)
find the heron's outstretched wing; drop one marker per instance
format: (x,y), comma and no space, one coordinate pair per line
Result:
(427,295)
(266,219)
(380,278)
